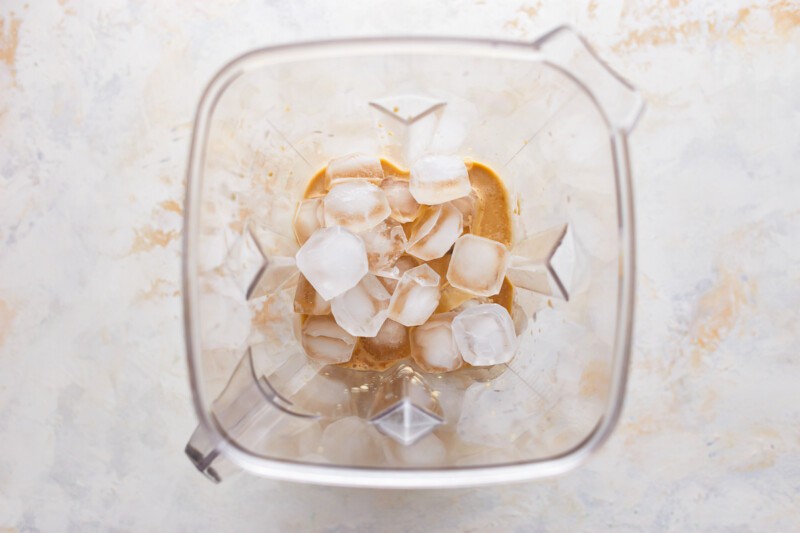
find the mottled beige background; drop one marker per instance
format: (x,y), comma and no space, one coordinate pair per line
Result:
(95,113)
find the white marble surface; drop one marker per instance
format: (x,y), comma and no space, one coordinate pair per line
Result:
(95,115)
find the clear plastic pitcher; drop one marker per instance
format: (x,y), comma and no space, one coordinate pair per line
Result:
(551,119)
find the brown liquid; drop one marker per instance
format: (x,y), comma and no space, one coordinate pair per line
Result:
(492,220)
(367,357)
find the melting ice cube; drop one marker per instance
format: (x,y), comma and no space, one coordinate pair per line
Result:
(385,243)
(324,340)
(404,207)
(362,310)
(478,265)
(308,301)
(333,260)
(356,205)
(436,179)
(433,346)
(391,277)
(353,167)
(308,218)
(485,335)
(416,296)
(435,231)
(391,341)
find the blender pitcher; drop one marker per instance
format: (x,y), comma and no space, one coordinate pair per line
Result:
(550,119)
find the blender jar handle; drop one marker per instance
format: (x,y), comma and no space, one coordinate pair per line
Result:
(619,101)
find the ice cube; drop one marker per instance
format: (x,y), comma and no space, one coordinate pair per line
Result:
(435,231)
(352,441)
(450,296)
(485,335)
(544,263)
(468,206)
(308,301)
(333,260)
(473,302)
(478,265)
(391,341)
(385,243)
(362,310)
(436,179)
(390,277)
(416,296)
(356,205)
(325,341)
(433,346)
(308,218)
(404,207)
(353,167)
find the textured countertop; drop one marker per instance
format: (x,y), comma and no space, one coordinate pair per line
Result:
(95,117)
